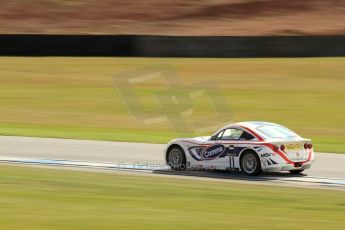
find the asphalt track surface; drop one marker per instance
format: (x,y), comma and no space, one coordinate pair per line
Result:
(328,170)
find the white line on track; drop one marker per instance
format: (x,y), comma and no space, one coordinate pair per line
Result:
(328,169)
(160,169)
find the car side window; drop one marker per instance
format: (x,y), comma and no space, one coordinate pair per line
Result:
(219,135)
(246,136)
(232,134)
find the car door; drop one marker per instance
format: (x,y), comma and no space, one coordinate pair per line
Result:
(223,148)
(217,154)
(231,139)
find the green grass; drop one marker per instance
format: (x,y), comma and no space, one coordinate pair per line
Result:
(33,198)
(76,97)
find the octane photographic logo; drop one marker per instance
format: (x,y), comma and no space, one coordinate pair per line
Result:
(175,102)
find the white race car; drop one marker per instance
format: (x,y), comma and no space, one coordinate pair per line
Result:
(250,147)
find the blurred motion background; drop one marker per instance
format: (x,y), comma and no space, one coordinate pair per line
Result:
(174,17)
(75,97)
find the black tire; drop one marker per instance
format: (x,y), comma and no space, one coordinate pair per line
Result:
(296,172)
(176,158)
(250,163)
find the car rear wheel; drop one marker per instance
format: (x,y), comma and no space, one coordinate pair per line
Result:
(176,158)
(295,172)
(250,164)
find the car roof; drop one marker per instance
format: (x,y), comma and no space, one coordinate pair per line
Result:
(249,124)
(253,124)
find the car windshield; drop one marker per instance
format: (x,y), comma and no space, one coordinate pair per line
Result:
(275,131)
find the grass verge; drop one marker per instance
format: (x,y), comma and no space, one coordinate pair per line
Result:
(34,198)
(76,98)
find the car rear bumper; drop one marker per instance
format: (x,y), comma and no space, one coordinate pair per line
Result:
(289,167)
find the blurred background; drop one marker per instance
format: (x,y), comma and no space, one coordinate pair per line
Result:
(174,17)
(280,61)
(75,97)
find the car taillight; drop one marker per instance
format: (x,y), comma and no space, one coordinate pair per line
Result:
(282,147)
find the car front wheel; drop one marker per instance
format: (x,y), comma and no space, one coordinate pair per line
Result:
(176,158)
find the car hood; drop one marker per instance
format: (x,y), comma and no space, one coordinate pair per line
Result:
(197,139)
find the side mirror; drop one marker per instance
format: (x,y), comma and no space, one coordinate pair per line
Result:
(213,138)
